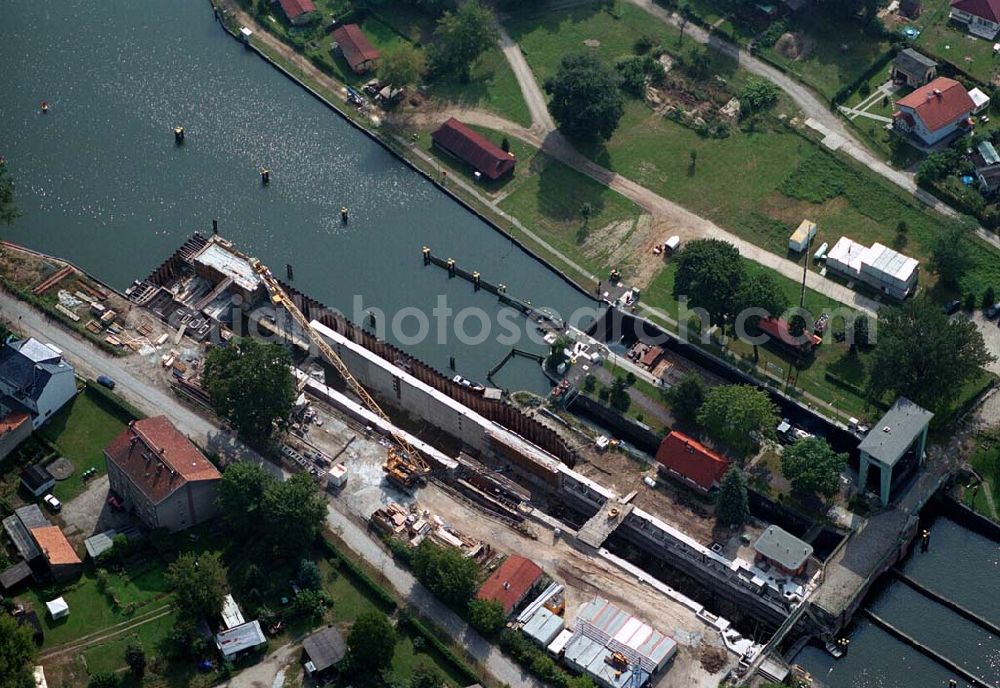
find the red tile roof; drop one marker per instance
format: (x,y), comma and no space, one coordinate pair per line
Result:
(12,421)
(692,460)
(474,148)
(939,103)
(157,458)
(355,45)
(987,9)
(778,328)
(55,546)
(295,8)
(511,582)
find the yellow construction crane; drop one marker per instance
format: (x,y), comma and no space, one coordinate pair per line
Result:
(403,465)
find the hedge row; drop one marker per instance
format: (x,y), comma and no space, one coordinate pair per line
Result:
(408,617)
(361,576)
(108,396)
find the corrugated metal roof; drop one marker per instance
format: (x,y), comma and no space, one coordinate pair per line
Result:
(543,626)
(240,638)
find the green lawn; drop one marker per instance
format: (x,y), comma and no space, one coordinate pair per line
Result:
(952,43)
(838,50)
(523,152)
(91,610)
(491,86)
(110,656)
(80,431)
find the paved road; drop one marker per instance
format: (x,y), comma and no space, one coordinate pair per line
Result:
(500,666)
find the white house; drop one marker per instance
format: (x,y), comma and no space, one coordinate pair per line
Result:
(933,113)
(981,17)
(35,378)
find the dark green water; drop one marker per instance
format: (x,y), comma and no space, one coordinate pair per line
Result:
(101,182)
(961,565)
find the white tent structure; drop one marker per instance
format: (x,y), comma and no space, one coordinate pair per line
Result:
(57,608)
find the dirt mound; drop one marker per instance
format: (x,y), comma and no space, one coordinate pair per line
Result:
(713,659)
(790,45)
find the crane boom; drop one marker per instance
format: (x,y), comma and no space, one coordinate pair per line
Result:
(404,464)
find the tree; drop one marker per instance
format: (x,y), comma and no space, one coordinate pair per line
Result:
(487,617)
(618,398)
(402,65)
(732,508)
(759,290)
(951,253)
(241,496)
(585,100)
(736,414)
(687,396)
(199,582)
(557,355)
(461,37)
(757,95)
(103,679)
(812,466)
(935,167)
(797,325)
(135,657)
(17,653)
(925,356)
(371,642)
(860,335)
(632,73)
(8,210)
(446,573)
(709,273)
(969,304)
(251,385)
(310,604)
(309,576)
(427,675)
(294,511)
(989,297)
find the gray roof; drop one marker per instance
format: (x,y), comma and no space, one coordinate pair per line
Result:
(32,517)
(100,543)
(239,638)
(26,366)
(912,62)
(21,537)
(895,432)
(543,626)
(37,479)
(325,647)
(782,547)
(14,575)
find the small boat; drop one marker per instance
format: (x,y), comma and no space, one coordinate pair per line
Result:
(835,650)
(45,106)
(344,214)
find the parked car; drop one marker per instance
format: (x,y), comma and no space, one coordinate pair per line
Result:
(952,307)
(106,381)
(52,503)
(993,311)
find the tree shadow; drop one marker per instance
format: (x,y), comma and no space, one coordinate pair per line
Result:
(561,196)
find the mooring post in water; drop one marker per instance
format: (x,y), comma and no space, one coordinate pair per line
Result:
(475,281)
(265,176)
(215,226)
(451,362)
(925,540)
(289,271)
(178,135)
(427,255)
(451,267)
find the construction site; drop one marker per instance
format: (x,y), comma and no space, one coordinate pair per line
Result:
(421,454)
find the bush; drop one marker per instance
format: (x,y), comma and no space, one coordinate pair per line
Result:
(409,619)
(360,576)
(487,617)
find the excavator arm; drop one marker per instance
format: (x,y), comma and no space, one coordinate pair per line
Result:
(404,464)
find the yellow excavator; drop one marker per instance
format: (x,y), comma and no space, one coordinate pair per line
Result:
(403,465)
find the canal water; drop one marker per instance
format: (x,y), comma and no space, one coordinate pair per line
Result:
(961,565)
(101,182)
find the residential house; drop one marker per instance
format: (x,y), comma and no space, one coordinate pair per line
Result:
(356,49)
(690,462)
(298,12)
(161,476)
(511,583)
(782,550)
(15,427)
(934,113)
(981,17)
(913,69)
(60,557)
(34,379)
(18,527)
(471,147)
(878,266)
(986,161)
